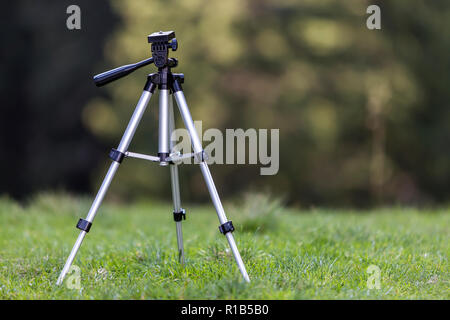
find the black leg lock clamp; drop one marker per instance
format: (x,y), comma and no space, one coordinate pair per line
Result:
(84,225)
(178,216)
(226,227)
(116,155)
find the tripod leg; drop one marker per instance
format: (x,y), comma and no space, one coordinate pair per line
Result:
(178,212)
(117,155)
(226,227)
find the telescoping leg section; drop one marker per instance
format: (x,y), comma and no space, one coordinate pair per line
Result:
(117,156)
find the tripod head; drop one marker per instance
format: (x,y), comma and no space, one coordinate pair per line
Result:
(160,45)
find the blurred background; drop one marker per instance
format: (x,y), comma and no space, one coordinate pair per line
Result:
(363,114)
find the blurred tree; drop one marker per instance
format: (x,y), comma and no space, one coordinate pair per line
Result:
(350,102)
(363,114)
(45,82)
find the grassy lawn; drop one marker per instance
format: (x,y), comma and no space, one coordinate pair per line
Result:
(130,252)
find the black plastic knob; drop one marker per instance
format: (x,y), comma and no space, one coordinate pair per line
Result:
(174,44)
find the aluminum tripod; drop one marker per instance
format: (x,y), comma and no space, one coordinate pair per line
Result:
(169,86)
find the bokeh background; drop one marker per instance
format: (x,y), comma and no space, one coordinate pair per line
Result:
(364,115)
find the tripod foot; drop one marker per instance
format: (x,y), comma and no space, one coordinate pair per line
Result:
(237,256)
(71,257)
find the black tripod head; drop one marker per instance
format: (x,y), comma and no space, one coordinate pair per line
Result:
(161,42)
(160,46)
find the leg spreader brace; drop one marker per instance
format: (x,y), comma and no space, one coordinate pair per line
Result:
(84,225)
(226,227)
(178,216)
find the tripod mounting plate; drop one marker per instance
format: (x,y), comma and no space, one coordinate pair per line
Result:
(161,36)
(160,46)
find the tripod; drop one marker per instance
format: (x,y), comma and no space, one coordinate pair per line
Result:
(169,86)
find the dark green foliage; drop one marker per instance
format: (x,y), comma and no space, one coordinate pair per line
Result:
(363,114)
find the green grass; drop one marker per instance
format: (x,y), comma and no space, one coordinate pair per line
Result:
(130,252)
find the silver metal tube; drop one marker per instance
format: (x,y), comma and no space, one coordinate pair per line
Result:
(175,184)
(213,192)
(171,124)
(180,242)
(196,144)
(163,138)
(141,156)
(175,188)
(102,191)
(123,146)
(237,256)
(71,257)
(134,121)
(187,119)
